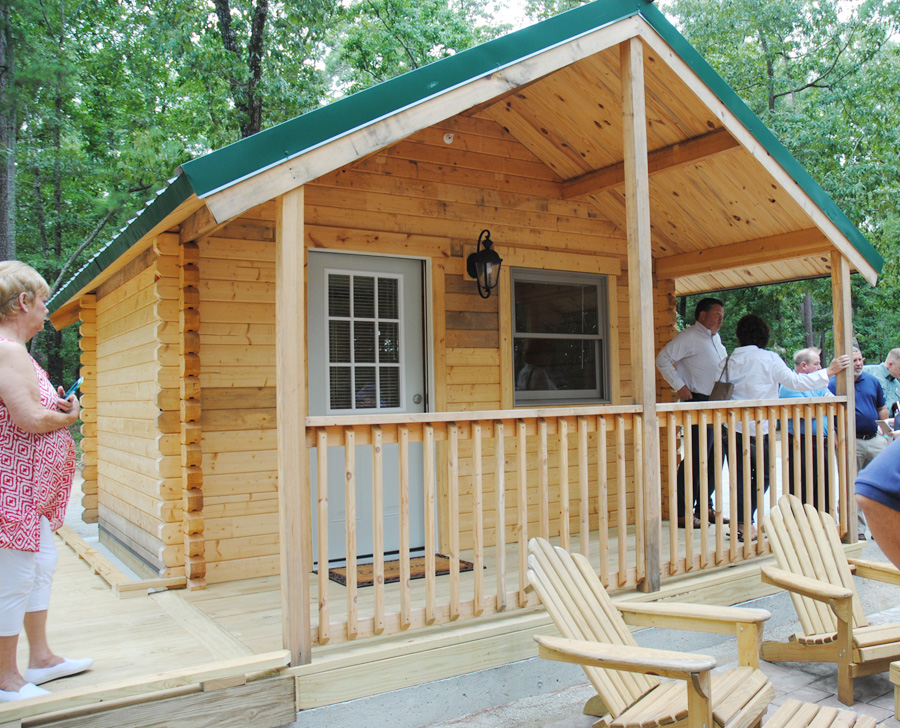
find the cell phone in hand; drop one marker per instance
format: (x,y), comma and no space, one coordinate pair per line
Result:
(72,389)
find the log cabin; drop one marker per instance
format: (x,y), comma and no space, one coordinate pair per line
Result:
(289,371)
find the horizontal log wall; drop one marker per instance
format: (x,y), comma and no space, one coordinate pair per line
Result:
(135,502)
(87,342)
(237,400)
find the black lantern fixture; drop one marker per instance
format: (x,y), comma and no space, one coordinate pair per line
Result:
(484,265)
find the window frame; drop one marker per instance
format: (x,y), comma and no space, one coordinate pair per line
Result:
(330,271)
(603,355)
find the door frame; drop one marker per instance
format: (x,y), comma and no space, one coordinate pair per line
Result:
(428,373)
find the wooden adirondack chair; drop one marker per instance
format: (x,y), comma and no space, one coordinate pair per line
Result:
(595,635)
(815,570)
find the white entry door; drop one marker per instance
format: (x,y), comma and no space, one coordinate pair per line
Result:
(366,356)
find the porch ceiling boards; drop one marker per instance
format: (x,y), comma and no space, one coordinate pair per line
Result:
(719,219)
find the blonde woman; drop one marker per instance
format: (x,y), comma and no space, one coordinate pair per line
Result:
(37,463)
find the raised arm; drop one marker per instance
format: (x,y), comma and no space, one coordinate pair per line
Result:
(20,392)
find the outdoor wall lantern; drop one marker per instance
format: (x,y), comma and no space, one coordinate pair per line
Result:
(484,265)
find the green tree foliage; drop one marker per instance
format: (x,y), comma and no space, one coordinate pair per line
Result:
(105,99)
(380,39)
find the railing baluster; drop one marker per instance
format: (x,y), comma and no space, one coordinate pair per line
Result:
(672,491)
(500,535)
(833,480)
(522,514)
(543,480)
(640,554)
(478,535)
(733,455)
(809,486)
(453,507)
(603,498)
(562,425)
(378,526)
(405,597)
(704,490)
(430,526)
(786,445)
(772,413)
(748,485)
(583,485)
(621,502)
(688,471)
(322,497)
(350,516)
(844,474)
(720,497)
(821,468)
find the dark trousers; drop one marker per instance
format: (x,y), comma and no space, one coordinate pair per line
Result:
(800,489)
(695,467)
(750,479)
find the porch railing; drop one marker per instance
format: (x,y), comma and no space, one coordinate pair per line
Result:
(490,480)
(819,438)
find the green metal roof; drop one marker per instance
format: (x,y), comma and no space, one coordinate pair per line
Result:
(243,159)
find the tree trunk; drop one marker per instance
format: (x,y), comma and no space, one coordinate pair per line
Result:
(244,92)
(7,139)
(806,312)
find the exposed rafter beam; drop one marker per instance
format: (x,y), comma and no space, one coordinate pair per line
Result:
(676,155)
(797,244)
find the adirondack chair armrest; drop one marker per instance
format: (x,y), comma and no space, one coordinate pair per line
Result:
(691,617)
(877,570)
(645,660)
(821,591)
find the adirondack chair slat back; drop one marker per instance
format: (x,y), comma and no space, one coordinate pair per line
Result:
(806,542)
(575,599)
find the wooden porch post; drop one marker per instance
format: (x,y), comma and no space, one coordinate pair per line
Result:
(640,296)
(290,377)
(843,344)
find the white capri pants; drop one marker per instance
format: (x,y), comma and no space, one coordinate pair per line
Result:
(25,579)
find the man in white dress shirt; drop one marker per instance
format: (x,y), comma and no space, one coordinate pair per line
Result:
(689,363)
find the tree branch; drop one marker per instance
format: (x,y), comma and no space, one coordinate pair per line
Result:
(90,239)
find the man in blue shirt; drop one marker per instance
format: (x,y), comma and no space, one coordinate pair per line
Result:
(806,361)
(888,375)
(870,408)
(878,495)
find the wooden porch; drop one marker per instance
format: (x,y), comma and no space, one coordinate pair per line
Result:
(371,639)
(228,638)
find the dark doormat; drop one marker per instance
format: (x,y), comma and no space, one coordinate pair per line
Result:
(365,572)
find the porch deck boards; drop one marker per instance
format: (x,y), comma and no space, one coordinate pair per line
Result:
(147,634)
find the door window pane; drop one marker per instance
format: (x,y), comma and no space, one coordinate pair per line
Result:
(340,387)
(364,341)
(339,295)
(390,387)
(363,297)
(388,303)
(388,342)
(339,341)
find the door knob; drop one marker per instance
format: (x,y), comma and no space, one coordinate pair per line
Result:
(417,399)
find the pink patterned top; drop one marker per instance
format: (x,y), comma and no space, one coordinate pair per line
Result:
(36,472)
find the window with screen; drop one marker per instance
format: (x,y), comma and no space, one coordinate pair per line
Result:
(560,337)
(364,347)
